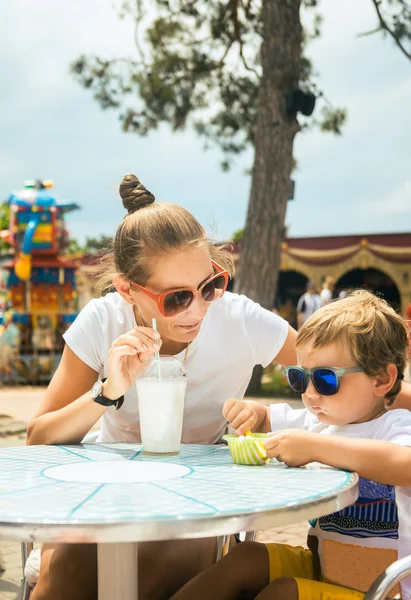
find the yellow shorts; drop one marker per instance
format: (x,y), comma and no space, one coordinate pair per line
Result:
(298,563)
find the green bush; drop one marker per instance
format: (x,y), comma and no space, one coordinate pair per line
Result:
(274,383)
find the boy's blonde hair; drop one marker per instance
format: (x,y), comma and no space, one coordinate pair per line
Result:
(375,333)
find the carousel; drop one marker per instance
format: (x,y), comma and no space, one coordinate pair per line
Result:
(38,297)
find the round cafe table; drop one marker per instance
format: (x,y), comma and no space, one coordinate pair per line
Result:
(115,496)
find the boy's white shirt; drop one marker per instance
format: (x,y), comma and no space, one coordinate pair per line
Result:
(336,550)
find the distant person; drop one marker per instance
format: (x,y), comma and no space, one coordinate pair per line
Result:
(327,293)
(307,304)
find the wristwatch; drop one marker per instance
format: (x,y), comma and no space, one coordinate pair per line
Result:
(100,399)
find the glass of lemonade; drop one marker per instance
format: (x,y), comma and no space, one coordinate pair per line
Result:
(161,393)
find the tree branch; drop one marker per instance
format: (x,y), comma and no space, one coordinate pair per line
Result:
(365,33)
(385,27)
(245,62)
(139,17)
(237,35)
(222,59)
(248,9)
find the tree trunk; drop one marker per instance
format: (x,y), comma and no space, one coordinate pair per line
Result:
(273,159)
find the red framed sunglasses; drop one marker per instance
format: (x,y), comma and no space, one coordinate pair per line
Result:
(176,301)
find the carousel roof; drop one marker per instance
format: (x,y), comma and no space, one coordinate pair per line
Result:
(393,247)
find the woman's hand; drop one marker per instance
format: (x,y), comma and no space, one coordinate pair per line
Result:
(246,415)
(128,358)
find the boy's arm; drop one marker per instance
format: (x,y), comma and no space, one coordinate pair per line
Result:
(263,412)
(403,399)
(244,415)
(384,462)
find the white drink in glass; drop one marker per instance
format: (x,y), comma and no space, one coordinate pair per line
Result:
(161,408)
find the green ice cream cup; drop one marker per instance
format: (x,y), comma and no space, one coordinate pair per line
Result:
(247,450)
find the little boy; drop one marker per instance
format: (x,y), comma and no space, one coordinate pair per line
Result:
(351,358)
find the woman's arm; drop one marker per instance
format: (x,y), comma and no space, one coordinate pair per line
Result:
(67,412)
(287,354)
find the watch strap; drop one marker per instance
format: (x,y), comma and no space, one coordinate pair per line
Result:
(100,399)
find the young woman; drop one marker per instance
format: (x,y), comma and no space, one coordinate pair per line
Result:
(162,266)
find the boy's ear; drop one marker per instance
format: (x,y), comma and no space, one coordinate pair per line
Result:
(123,288)
(385,380)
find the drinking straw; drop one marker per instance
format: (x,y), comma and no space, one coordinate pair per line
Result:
(157,354)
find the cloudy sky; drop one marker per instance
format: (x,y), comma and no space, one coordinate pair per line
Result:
(51,128)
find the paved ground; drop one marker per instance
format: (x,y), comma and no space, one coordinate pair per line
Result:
(17,405)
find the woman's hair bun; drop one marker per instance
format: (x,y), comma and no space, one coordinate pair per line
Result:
(133,194)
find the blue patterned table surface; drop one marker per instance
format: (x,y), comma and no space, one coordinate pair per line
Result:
(88,485)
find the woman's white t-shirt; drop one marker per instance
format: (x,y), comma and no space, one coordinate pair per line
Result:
(235,335)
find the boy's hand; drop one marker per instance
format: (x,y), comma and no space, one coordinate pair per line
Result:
(244,415)
(294,447)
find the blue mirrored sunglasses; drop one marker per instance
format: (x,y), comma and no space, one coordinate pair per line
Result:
(326,380)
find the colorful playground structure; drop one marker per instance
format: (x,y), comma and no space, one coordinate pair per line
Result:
(38,298)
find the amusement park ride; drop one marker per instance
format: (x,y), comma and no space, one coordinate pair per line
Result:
(38,298)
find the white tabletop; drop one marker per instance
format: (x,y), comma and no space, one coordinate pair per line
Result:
(113,493)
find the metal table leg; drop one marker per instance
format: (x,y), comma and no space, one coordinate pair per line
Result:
(251,536)
(222,543)
(117,571)
(25,589)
